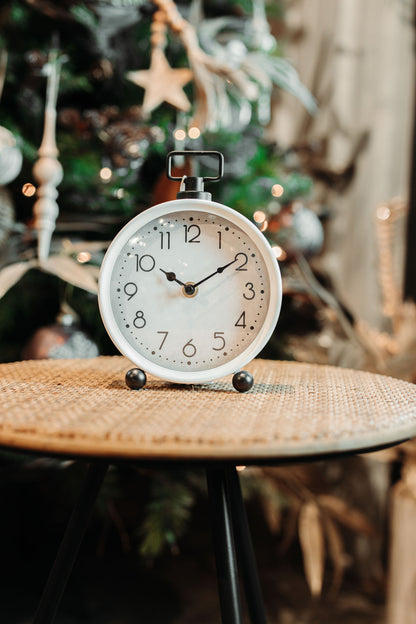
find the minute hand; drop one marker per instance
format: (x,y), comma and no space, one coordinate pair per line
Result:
(219,270)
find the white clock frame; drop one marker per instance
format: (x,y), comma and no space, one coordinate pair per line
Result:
(105,301)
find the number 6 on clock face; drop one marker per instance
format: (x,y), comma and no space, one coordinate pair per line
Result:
(190,291)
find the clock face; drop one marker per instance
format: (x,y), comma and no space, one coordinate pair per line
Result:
(190,290)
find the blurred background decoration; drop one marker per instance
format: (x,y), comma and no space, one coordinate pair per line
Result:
(312,104)
(107,89)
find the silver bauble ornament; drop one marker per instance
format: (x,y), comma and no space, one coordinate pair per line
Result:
(10,157)
(308,231)
(7,216)
(60,340)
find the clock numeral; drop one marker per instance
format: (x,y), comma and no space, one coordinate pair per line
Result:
(192,232)
(130,289)
(165,335)
(139,320)
(219,239)
(145,263)
(189,349)
(244,262)
(164,240)
(251,292)
(219,336)
(241,321)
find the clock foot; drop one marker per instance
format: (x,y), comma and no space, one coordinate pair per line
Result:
(243,381)
(136,379)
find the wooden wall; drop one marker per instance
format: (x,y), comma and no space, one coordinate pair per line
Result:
(357,57)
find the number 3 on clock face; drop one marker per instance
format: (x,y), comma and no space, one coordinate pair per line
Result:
(190,291)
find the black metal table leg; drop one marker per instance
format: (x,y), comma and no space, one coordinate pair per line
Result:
(70,544)
(227,574)
(245,551)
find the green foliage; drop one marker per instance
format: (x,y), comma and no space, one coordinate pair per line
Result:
(72,82)
(84,16)
(168,514)
(252,190)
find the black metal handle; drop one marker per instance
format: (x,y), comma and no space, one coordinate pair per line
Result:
(192,154)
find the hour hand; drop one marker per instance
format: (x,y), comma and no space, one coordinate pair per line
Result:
(171,277)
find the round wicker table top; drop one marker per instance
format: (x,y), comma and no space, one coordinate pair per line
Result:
(83,408)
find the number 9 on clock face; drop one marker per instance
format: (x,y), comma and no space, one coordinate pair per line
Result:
(190,291)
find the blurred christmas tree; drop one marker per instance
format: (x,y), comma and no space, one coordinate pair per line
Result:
(129,80)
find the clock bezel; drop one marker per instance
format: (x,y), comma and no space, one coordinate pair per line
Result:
(140,360)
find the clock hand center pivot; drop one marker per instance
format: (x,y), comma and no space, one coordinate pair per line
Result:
(189,289)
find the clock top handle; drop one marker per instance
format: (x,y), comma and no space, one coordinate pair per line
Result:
(192,154)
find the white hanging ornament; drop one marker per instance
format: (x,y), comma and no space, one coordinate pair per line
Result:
(48,170)
(262,39)
(10,157)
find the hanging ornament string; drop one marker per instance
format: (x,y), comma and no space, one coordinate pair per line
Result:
(161,82)
(211,75)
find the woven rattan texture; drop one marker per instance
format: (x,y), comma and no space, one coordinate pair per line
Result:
(83,407)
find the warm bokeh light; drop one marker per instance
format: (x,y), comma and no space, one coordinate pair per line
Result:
(133,149)
(383,213)
(279,252)
(84,256)
(277,190)
(106,174)
(119,193)
(179,134)
(325,341)
(264,226)
(240,468)
(28,189)
(259,216)
(194,132)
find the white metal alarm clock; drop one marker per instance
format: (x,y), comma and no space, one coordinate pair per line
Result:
(190,290)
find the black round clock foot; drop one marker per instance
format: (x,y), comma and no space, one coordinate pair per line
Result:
(243,381)
(136,379)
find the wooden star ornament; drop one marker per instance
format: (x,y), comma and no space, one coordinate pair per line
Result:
(161,82)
